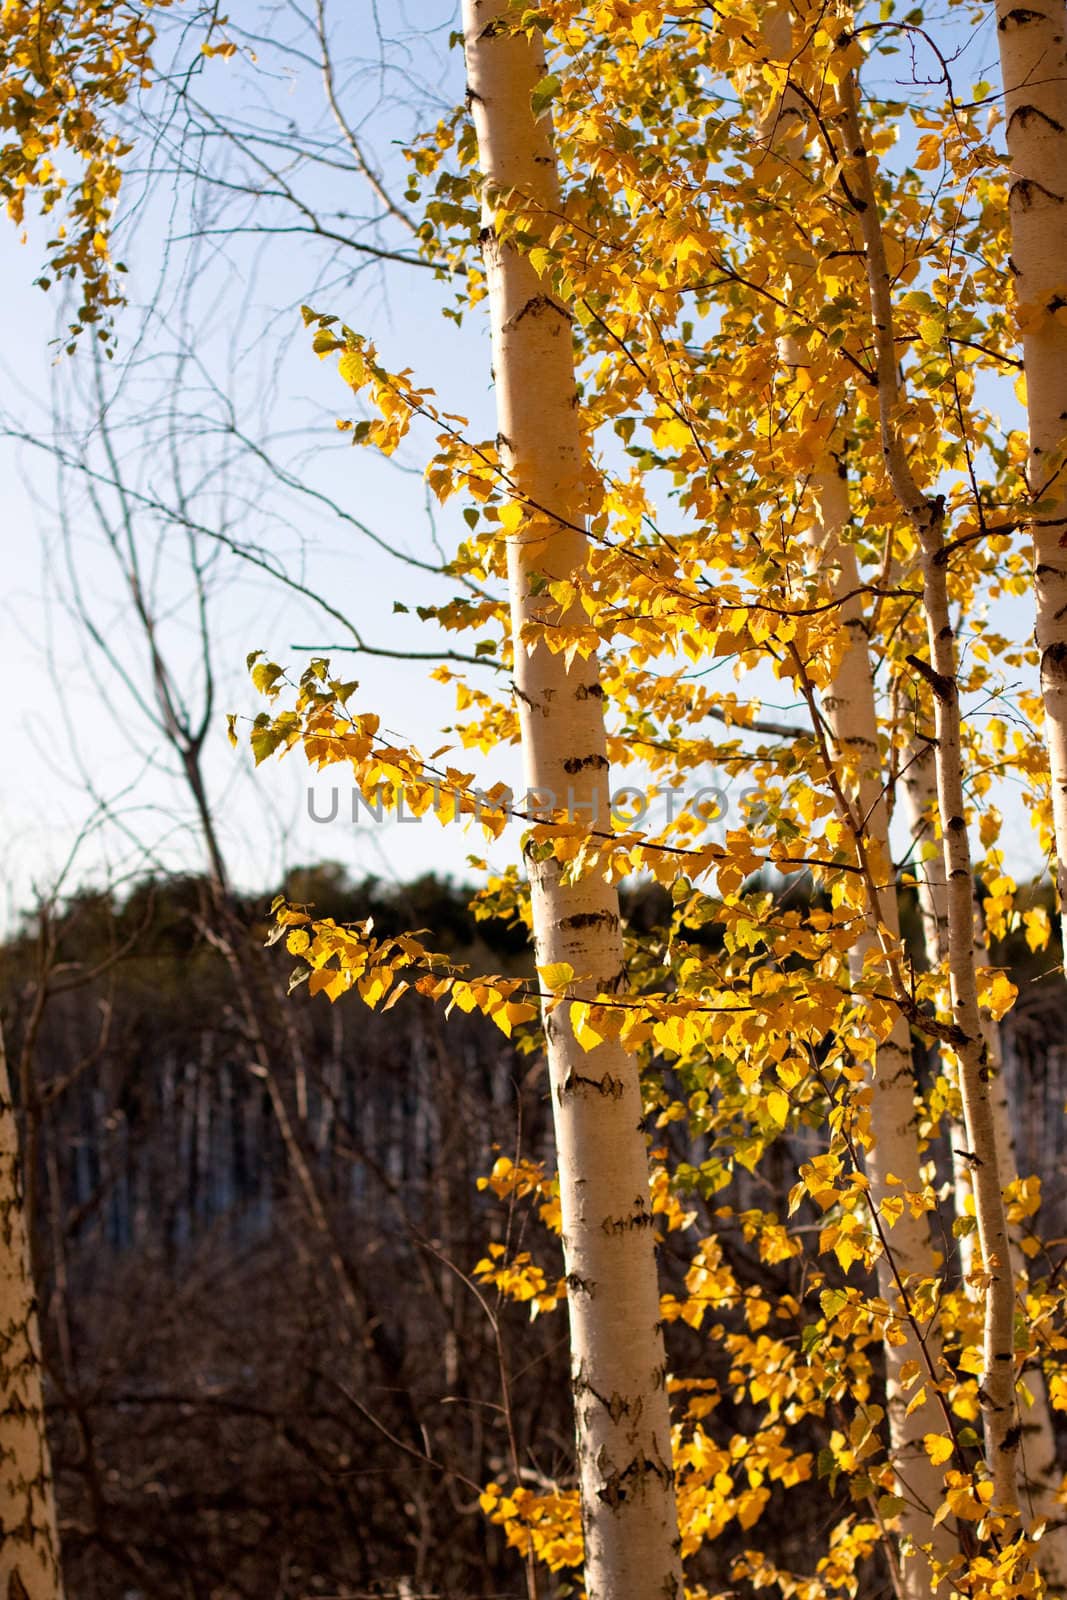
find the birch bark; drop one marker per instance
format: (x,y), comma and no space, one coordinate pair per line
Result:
(1033,56)
(618,1366)
(919,788)
(997,1387)
(850,711)
(1040,1467)
(29,1542)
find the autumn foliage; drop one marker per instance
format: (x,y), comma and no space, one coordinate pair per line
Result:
(724,296)
(785,258)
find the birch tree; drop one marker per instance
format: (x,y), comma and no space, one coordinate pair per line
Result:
(999,1405)
(1033,56)
(1038,1449)
(618,1364)
(853,757)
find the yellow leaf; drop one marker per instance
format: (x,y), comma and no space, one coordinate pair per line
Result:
(778,1107)
(938,1447)
(998,993)
(584,1033)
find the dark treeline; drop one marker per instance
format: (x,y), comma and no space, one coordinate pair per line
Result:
(268,1374)
(255,1218)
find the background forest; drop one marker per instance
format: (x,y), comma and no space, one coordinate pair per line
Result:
(189,1195)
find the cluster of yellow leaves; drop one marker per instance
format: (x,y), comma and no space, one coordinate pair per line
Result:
(548,1523)
(792,1376)
(518,1277)
(852,1540)
(522,1179)
(336,958)
(65,66)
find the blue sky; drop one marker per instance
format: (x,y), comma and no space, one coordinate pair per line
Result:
(79,752)
(68,749)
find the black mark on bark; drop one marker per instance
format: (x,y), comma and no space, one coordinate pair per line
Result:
(611,1088)
(579,763)
(589,919)
(534,306)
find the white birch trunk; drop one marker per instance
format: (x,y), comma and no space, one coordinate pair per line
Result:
(29,1543)
(997,1387)
(919,786)
(1033,56)
(618,1366)
(1041,1471)
(998,1376)
(920,801)
(851,712)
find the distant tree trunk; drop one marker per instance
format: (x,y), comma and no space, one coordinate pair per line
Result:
(997,1387)
(1041,1471)
(851,713)
(1033,57)
(918,784)
(29,1543)
(619,1379)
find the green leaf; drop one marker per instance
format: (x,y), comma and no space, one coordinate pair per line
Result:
(543,94)
(540,259)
